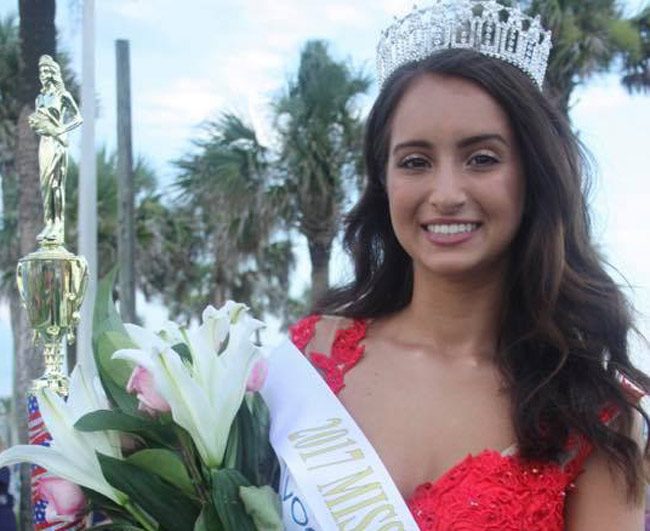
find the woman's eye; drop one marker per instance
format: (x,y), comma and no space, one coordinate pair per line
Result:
(482,160)
(413,163)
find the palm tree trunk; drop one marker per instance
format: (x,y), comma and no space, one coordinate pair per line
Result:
(319,253)
(28,363)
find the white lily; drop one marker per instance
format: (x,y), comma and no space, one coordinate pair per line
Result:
(172,333)
(72,453)
(204,396)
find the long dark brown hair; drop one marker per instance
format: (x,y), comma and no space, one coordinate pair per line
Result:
(564,334)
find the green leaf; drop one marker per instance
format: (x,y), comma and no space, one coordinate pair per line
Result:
(248,449)
(116,420)
(115,373)
(105,316)
(232,457)
(183,351)
(119,397)
(249,443)
(114,526)
(267,466)
(162,501)
(264,507)
(226,499)
(110,335)
(167,465)
(109,343)
(208,520)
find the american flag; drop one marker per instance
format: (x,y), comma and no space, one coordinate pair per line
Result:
(38,435)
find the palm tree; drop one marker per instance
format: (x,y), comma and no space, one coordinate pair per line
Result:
(9,104)
(9,111)
(636,65)
(107,198)
(171,258)
(228,193)
(320,132)
(589,37)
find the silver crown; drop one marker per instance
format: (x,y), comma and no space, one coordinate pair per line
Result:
(485,26)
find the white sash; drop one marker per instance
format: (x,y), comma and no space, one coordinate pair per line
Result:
(332,477)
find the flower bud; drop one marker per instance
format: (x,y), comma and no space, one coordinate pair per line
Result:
(65,500)
(141,382)
(257,376)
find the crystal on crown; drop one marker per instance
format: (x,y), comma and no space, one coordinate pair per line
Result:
(485,26)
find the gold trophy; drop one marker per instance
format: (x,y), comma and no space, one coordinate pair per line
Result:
(52,281)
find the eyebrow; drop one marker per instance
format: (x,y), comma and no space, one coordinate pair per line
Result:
(465,142)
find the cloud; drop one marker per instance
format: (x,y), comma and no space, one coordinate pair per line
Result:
(598,98)
(140,10)
(251,70)
(184,102)
(344,13)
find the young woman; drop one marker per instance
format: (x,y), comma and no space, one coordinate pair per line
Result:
(482,346)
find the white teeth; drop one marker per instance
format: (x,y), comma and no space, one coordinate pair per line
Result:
(451,228)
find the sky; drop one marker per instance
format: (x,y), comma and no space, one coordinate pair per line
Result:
(192,60)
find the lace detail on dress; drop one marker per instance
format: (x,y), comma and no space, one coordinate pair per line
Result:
(490,491)
(303,331)
(346,349)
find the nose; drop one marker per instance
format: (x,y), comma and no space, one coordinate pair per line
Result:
(448,193)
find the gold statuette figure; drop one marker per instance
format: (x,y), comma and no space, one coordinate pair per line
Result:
(52,281)
(56,114)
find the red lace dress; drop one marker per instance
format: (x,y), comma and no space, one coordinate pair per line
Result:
(488,491)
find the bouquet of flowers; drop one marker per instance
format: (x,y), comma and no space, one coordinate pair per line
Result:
(171,435)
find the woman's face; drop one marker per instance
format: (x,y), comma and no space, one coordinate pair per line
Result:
(454,178)
(46,74)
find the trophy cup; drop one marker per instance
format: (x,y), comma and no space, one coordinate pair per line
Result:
(51,280)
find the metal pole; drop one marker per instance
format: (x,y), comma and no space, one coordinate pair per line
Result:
(126,217)
(88,184)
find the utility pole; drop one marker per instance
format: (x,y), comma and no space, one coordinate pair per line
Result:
(88,185)
(126,193)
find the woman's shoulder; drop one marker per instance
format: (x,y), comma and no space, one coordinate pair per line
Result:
(318,332)
(332,343)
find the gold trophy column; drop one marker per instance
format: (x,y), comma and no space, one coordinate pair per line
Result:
(52,281)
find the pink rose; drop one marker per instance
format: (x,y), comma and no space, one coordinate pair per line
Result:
(258,376)
(65,500)
(141,382)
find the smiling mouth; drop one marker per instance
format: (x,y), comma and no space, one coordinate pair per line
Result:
(451,228)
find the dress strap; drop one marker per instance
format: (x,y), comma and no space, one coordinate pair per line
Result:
(302,332)
(331,343)
(579,448)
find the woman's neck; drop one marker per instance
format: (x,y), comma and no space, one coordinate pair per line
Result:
(458,318)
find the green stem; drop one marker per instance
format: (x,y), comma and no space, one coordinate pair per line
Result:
(190,462)
(140,516)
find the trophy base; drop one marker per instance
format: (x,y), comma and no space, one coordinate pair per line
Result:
(59,383)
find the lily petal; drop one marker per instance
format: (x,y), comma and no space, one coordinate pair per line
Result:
(61,466)
(144,338)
